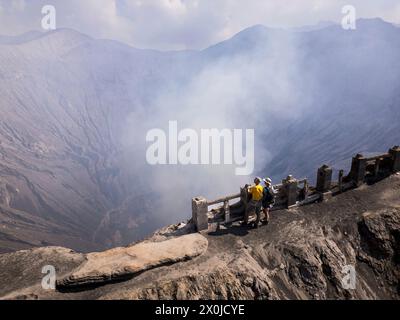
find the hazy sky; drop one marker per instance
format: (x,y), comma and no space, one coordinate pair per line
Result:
(182,24)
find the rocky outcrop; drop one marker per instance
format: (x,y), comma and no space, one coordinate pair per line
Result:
(380,241)
(122,263)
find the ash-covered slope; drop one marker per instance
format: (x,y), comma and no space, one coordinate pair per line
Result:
(299,255)
(64,101)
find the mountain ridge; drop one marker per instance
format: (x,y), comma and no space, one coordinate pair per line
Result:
(33,34)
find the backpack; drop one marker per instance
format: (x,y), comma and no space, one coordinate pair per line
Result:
(269,196)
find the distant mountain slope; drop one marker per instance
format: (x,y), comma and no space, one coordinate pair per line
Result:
(58,155)
(356,100)
(29,36)
(75,111)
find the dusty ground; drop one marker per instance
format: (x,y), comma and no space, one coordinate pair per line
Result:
(299,255)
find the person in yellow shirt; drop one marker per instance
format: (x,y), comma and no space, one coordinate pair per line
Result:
(255,204)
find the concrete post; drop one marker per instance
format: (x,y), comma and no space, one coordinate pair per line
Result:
(340,180)
(324,179)
(305,189)
(244,198)
(358,169)
(377,167)
(199,213)
(395,153)
(290,185)
(227,212)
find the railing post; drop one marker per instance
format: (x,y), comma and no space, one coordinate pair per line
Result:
(358,169)
(290,185)
(395,153)
(305,189)
(340,181)
(324,179)
(244,197)
(377,167)
(227,212)
(324,182)
(199,213)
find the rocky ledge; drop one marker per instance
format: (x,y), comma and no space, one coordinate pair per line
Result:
(124,263)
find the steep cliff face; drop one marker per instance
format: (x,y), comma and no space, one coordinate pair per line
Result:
(61,114)
(299,255)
